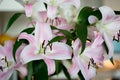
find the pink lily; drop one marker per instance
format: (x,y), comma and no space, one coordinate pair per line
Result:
(58,22)
(7,63)
(54,4)
(86,62)
(28,6)
(108,26)
(38,49)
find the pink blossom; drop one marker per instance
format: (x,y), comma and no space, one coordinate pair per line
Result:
(7,63)
(54,4)
(28,4)
(86,62)
(38,49)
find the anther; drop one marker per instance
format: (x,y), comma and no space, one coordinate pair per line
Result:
(50,47)
(43,43)
(1,68)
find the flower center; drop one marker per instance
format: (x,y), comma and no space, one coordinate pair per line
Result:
(5,64)
(45,48)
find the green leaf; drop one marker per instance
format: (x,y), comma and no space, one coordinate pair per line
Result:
(81,76)
(18,43)
(112,60)
(97,13)
(40,70)
(30,71)
(84,14)
(67,34)
(12,20)
(106,48)
(58,67)
(117,12)
(57,38)
(81,31)
(66,72)
(16,46)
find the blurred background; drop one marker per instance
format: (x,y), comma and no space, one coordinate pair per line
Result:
(9,7)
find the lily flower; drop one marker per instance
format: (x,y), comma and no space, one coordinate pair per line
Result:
(38,49)
(108,26)
(54,4)
(28,4)
(91,58)
(58,22)
(7,63)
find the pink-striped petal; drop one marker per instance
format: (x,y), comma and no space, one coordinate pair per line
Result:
(51,12)
(113,27)
(22,69)
(30,53)
(75,68)
(42,32)
(76,46)
(88,73)
(50,65)
(26,36)
(43,16)
(98,39)
(107,13)
(6,75)
(60,51)
(109,44)
(28,10)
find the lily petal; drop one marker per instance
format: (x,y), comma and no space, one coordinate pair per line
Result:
(51,11)
(6,75)
(76,46)
(88,73)
(109,44)
(28,10)
(60,51)
(107,13)
(22,69)
(43,16)
(113,27)
(50,65)
(26,36)
(29,54)
(42,32)
(75,68)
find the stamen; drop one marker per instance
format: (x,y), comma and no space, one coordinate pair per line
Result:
(1,68)
(118,37)
(89,65)
(50,47)
(44,50)
(43,43)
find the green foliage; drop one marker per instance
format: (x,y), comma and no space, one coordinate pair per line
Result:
(66,72)
(112,60)
(12,20)
(40,71)
(81,76)
(57,38)
(82,23)
(81,31)
(18,43)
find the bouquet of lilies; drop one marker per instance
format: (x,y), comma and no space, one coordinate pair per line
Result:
(63,33)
